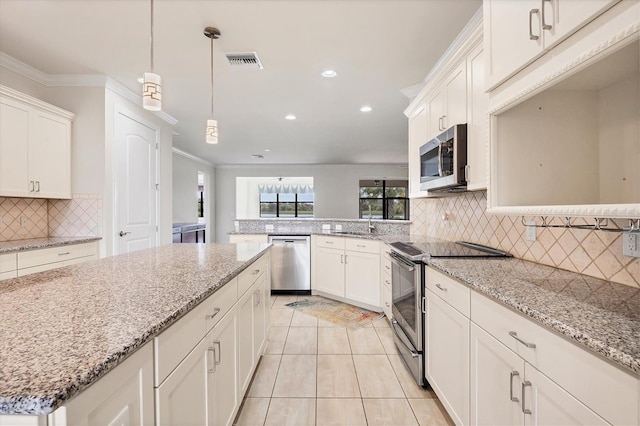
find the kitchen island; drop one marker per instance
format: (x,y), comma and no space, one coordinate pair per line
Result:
(62,330)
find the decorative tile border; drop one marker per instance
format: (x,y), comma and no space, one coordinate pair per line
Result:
(464,217)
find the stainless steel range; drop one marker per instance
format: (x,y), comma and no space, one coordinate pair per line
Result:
(408,292)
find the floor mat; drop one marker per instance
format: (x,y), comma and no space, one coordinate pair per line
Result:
(339,313)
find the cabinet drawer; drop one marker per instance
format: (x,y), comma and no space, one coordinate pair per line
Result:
(248,238)
(448,289)
(32,258)
(365,246)
(173,344)
(7,262)
(606,389)
(330,242)
(251,274)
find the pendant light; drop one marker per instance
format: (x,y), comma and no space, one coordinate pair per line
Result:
(212,125)
(151,86)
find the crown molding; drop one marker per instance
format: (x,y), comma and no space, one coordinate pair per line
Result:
(191,157)
(37,103)
(77,80)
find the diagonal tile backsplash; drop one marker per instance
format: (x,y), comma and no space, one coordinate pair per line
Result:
(464,217)
(23,218)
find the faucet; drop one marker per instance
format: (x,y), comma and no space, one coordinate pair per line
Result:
(371,226)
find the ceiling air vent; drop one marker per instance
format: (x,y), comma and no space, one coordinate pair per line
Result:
(244,60)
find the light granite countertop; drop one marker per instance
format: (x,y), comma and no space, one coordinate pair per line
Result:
(602,316)
(63,329)
(39,243)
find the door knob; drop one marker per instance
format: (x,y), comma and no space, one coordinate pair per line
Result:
(122,233)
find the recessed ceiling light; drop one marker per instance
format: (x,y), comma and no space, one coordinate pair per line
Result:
(290,117)
(267,150)
(366,108)
(329,73)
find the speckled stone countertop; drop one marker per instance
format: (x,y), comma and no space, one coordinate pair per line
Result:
(62,330)
(602,316)
(39,243)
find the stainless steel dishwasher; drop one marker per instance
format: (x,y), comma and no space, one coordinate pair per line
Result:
(290,264)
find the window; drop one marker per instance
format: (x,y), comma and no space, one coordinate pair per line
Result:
(384,199)
(286,205)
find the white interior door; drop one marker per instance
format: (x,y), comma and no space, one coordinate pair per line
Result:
(135,192)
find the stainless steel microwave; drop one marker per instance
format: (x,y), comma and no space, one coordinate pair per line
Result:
(443,161)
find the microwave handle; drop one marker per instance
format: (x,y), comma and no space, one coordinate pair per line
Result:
(440,160)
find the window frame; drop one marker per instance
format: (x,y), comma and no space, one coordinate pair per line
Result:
(278,203)
(364,183)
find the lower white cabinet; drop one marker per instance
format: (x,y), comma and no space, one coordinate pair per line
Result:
(252,332)
(202,390)
(124,396)
(507,390)
(347,268)
(447,356)
(248,238)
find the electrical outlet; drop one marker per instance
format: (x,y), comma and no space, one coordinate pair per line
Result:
(631,243)
(531,231)
(337,227)
(24,221)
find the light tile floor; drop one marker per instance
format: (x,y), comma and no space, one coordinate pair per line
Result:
(316,373)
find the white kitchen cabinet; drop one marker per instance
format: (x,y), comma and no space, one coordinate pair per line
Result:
(447,356)
(349,269)
(8,266)
(252,329)
(35,147)
(563,384)
(477,121)
(124,396)
(418,136)
(32,261)
(517,32)
(447,106)
(223,394)
(248,238)
(386,283)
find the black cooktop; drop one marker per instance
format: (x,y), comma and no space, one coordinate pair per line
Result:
(445,249)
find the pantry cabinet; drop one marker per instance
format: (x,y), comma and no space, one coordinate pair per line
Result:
(35,147)
(347,269)
(517,32)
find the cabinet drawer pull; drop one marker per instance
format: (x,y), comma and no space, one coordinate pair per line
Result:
(387,267)
(211,351)
(360,245)
(328,242)
(217,356)
(524,385)
(37,186)
(545,26)
(255,272)
(64,254)
(515,336)
(511,376)
(387,281)
(531,12)
(216,311)
(387,304)
(440,287)
(31,186)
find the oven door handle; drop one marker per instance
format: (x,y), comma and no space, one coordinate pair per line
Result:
(402,336)
(401,262)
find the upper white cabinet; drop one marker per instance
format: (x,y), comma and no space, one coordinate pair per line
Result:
(564,131)
(35,147)
(517,32)
(454,94)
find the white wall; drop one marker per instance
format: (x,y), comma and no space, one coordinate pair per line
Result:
(185,185)
(335,188)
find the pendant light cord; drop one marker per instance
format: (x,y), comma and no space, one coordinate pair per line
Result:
(212,77)
(151,35)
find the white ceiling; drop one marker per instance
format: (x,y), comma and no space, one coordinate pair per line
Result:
(377,48)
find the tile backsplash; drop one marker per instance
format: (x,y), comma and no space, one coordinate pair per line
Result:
(22,218)
(464,217)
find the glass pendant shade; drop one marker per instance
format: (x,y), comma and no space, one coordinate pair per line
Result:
(152,92)
(212,131)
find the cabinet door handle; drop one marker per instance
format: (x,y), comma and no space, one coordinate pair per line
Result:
(424,305)
(64,254)
(342,258)
(387,304)
(466,173)
(32,187)
(440,123)
(217,356)
(216,311)
(345,259)
(524,385)
(511,376)
(545,26)
(37,186)
(444,122)
(531,13)
(255,272)
(515,336)
(440,287)
(211,351)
